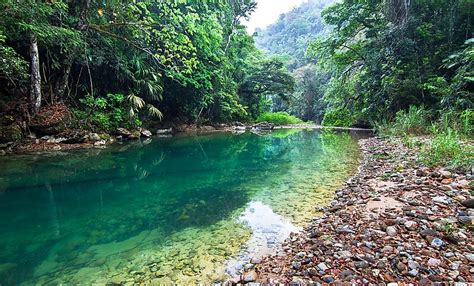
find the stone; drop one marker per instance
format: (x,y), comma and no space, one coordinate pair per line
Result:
(470,257)
(460,198)
(361,264)
(328,279)
(412,264)
(146,133)
(437,243)
(94,137)
(420,173)
(433,262)
(391,231)
(255,260)
(345,274)
(345,254)
(413,272)
(164,131)
(135,135)
(466,220)
(250,276)
(429,232)
(313,272)
(445,174)
(296,265)
(344,229)
(411,225)
(264,126)
(449,254)
(123,132)
(468,203)
(442,200)
(3,153)
(277,270)
(323,267)
(100,143)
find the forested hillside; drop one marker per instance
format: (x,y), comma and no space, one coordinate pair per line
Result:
(289,39)
(366,61)
(291,34)
(120,63)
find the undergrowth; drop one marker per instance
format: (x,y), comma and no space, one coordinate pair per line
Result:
(279,118)
(446,141)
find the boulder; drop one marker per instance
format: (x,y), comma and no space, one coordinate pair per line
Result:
(468,203)
(123,132)
(264,126)
(146,133)
(51,119)
(207,128)
(100,143)
(134,135)
(71,136)
(94,137)
(164,131)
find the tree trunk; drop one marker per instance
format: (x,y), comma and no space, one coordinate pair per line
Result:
(35,78)
(66,64)
(63,81)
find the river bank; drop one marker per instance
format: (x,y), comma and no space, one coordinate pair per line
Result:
(393,222)
(70,139)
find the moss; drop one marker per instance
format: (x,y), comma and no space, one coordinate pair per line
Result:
(10,133)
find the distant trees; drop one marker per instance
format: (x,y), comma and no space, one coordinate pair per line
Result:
(293,31)
(369,59)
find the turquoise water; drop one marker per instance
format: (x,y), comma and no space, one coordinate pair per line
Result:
(161,210)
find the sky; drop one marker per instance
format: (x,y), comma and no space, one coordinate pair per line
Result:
(268,11)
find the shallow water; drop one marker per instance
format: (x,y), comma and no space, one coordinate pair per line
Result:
(186,209)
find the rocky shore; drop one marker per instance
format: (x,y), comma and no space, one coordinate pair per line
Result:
(54,135)
(393,223)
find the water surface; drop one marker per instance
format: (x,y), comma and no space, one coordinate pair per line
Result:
(186,209)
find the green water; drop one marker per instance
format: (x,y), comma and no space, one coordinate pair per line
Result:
(161,210)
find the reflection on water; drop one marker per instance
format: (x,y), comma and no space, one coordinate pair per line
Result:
(159,211)
(268,231)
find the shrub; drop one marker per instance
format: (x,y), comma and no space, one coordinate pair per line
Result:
(446,149)
(340,117)
(279,118)
(462,122)
(414,121)
(106,113)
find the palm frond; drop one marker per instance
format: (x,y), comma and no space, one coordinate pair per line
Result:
(131,112)
(136,101)
(155,112)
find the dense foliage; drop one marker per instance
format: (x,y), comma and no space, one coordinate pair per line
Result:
(389,55)
(181,60)
(278,118)
(368,60)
